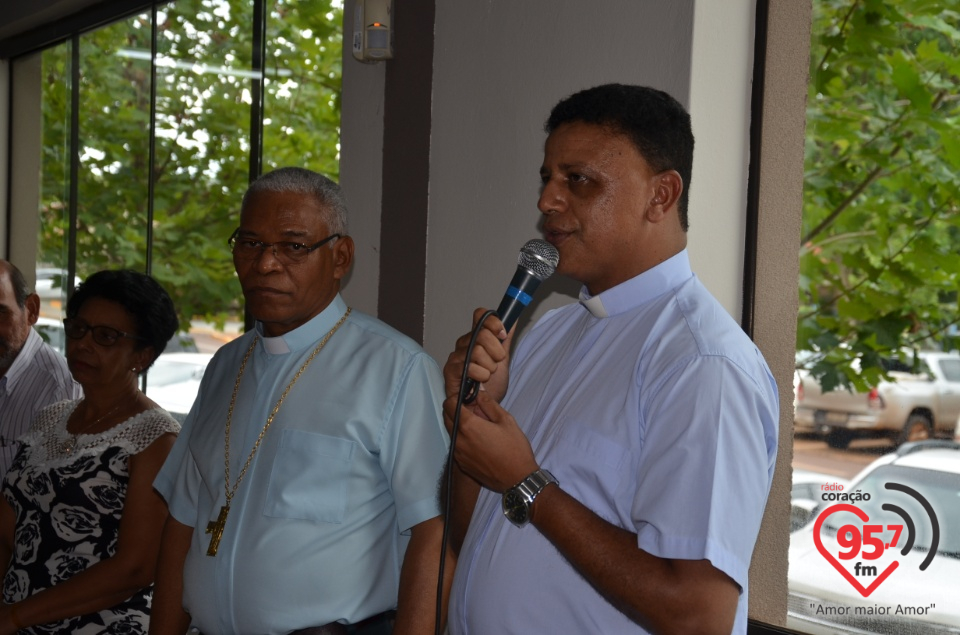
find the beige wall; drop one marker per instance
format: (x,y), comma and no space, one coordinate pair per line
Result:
(25,166)
(4,148)
(499,67)
(361,149)
(720,90)
(776,302)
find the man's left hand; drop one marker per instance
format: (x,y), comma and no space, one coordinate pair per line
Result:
(491,448)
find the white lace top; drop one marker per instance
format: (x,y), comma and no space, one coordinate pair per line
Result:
(51,440)
(67,493)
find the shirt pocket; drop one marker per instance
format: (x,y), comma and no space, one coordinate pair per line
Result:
(594,469)
(309,477)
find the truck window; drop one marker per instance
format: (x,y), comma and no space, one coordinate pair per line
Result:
(950,369)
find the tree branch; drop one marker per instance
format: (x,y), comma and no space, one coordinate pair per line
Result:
(843,25)
(887,261)
(870,178)
(832,216)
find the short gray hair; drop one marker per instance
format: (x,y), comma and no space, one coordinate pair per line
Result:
(303,181)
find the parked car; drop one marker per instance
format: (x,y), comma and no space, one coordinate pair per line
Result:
(803,417)
(806,495)
(52,333)
(181,343)
(910,600)
(174,379)
(917,402)
(50,282)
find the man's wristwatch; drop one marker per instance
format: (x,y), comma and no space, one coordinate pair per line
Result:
(518,499)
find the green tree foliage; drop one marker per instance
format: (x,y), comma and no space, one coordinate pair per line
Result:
(203,104)
(879,262)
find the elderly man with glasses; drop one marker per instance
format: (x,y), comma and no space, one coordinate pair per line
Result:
(302,489)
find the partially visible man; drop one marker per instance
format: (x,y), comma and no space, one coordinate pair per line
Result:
(616,482)
(302,489)
(32,375)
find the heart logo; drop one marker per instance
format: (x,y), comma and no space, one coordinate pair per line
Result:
(862,515)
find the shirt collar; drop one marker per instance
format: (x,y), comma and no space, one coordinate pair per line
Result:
(640,289)
(22,360)
(306,334)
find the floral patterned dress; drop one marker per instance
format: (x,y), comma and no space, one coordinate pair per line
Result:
(67,493)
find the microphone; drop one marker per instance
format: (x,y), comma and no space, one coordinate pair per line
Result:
(537,261)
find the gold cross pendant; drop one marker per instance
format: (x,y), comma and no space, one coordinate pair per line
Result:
(216,529)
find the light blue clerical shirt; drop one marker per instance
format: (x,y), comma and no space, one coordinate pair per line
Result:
(352,460)
(651,407)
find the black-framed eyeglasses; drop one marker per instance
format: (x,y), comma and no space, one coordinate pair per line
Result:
(285,251)
(75,329)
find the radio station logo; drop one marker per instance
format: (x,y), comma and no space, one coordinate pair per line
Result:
(865,553)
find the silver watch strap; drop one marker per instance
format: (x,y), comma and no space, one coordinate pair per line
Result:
(534,484)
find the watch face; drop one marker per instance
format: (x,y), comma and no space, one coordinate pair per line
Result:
(515,507)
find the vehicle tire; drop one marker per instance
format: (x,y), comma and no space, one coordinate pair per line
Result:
(917,428)
(839,438)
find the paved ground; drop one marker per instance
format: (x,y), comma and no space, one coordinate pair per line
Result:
(813,454)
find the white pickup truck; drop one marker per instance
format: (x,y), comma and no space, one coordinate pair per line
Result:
(909,407)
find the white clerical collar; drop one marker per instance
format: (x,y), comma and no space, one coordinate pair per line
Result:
(640,289)
(305,335)
(594,304)
(275,345)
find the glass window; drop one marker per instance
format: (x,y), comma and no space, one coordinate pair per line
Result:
(878,276)
(52,259)
(164,143)
(302,86)
(950,369)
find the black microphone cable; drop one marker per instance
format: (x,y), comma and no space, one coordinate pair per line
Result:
(454,429)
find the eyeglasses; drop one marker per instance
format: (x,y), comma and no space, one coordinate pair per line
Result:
(285,251)
(76,328)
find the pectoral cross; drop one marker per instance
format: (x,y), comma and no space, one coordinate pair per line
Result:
(216,529)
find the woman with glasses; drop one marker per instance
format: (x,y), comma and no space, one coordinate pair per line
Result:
(80,522)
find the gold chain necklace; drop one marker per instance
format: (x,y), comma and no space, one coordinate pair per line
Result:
(215,528)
